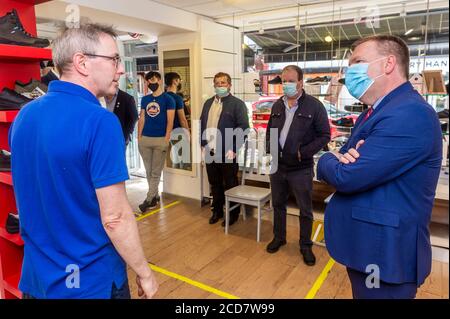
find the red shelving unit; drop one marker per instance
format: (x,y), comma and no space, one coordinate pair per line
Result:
(16,63)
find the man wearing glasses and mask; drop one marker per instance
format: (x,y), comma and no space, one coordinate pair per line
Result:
(77,224)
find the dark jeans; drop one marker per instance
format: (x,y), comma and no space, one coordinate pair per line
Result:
(222,177)
(300,183)
(385,291)
(116,293)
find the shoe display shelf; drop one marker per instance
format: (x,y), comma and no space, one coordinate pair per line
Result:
(16,63)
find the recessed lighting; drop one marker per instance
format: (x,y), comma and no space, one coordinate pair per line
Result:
(409,31)
(328,38)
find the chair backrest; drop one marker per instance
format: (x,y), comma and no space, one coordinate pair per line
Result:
(255,161)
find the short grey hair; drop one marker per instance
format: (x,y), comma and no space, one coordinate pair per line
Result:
(84,39)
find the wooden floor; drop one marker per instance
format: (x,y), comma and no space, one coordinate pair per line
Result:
(197,260)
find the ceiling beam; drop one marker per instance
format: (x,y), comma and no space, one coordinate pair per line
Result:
(345,34)
(357,29)
(318,35)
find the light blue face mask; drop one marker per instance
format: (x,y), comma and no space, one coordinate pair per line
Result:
(221,91)
(357,80)
(290,89)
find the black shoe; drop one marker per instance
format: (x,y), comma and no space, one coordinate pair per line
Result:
(11,100)
(274,245)
(32,90)
(13,32)
(341,81)
(12,223)
(308,256)
(146,205)
(215,218)
(356,108)
(232,220)
(347,122)
(5,161)
(275,80)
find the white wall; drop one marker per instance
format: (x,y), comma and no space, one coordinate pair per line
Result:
(214,48)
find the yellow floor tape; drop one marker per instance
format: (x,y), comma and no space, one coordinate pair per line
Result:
(320,280)
(141,217)
(311,294)
(192,282)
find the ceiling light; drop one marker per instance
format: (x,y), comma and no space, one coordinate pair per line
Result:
(414,38)
(328,38)
(409,31)
(297,27)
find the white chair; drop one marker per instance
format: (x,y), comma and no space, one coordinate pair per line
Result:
(250,195)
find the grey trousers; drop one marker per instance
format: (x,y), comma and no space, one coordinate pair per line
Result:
(153,151)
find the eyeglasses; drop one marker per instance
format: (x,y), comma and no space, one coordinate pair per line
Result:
(117,59)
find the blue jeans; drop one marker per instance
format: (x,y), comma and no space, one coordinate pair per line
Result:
(116,293)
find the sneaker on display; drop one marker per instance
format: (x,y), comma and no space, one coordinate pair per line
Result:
(11,100)
(13,32)
(5,161)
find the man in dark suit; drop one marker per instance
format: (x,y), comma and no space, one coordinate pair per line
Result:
(124,106)
(377,223)
(301,122)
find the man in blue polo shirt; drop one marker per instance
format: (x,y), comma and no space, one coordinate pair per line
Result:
(180,124)
(154,128)
(69,169)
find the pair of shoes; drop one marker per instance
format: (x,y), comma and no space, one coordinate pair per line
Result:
(343,121)
(275,80)
(146,205)
(11,100)
(358,107)
(12,223)
(5,161)
(13,32)
(274,245)
(215,218)
(32,89)
(308,256)
(319,79)
(232,220)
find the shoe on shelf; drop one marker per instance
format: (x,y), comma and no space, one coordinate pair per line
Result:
(308,256)
(13,32)
(232,220)
(341,81)
(319,79)
(5,161)
(11,100)
(12,223)
(343,121)
(274,245)
(215,218)
(32,89)
(443,114)
(275,80)
(357,107)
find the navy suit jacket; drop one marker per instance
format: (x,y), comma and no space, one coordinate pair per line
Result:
(381,210)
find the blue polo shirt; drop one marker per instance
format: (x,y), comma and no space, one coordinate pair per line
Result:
(179,105)
(156,114)
(64,146)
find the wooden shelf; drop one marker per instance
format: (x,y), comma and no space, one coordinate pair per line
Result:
(14,238)
(24,53)
(6,178)
(11,284)
(8,116)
